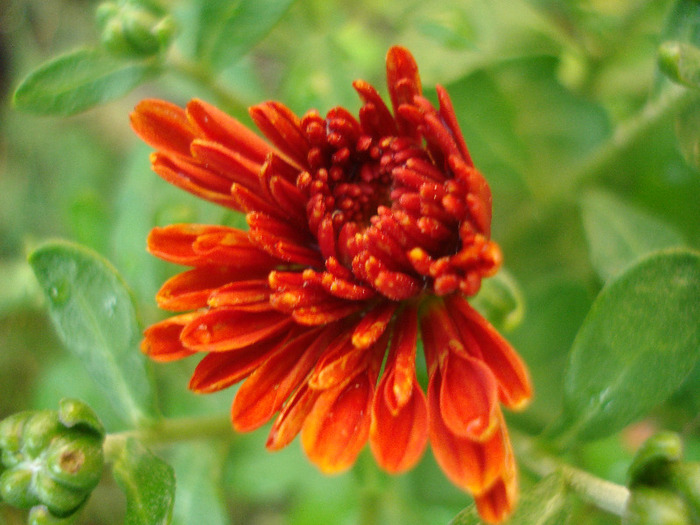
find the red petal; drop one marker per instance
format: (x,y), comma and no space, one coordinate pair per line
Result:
(230,165)
(403,356)
(326,312)
(470,465)
(189,176)
(220,127)
(262,394)
(248,295)
(373,324)
(469,398)
(224,329)
(163,125)
(290,421)
(190,290)
(497,503)
(162,340)
(403,81)
(283,128)
(337,427)
(220,370)
(505,364)
(447,113)
(340,362)
(398,438)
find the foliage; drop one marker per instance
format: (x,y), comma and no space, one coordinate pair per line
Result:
(585,118)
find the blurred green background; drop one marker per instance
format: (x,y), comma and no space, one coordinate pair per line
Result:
(539,86)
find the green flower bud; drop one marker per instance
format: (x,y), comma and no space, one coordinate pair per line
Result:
(685,478)
(15,488)
(40,515)
(75,414)
(39,430)
(680,61)
(136,30)
(650,464)
(53,459)
(76,461)
(60,500)
(648,506)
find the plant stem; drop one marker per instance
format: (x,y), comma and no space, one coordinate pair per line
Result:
(671,101)
(605,495)
(169,431)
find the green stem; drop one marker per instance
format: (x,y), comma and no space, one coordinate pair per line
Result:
(605,495)
(203,76)
(671,101)
(169,431)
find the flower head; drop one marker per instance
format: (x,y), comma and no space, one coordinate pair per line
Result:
(363,233)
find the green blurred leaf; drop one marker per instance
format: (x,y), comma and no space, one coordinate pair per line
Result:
(681,62)
(79,80)
(637,345)
(149,485)
(94,315)
(501,301)
(229,29)
(198,467)
(618,233)
(688,134)
(544,504)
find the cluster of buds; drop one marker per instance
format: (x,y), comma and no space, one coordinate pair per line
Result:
(52,459)
(664,489)
(134,29)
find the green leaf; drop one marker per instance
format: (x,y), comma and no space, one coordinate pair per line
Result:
(618,233)
(544,504)
(93,313)
(79,80)
(635,348)
(229,29)
(681,63)
(199,471)
(501,301)
(148,483)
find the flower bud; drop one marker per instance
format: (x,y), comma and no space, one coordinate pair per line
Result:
(53,459)
(134,29)
(40,515)
(680,61)
(650,464)
(649,506)
(685,478)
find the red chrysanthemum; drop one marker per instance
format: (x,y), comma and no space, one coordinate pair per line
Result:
(363,234)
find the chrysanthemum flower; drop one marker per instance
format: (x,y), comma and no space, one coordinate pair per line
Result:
(365,234)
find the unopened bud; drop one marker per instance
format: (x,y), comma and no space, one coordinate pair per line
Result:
(133,29)
(651,461)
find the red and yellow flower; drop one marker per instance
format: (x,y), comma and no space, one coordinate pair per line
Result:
(365,235)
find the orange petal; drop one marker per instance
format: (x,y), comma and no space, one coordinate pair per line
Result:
(373,324)
(468,398)
(163,125)
(191,177)
(497,503)
(220,127)
(250,295)
(470,465)
(505,364)
(264,391)
(231,165)
(279,124)
(220,370)
(337,427)
(190,290)
(398,438)
(340,362)
(224,329)
(292,417)
(162,340)
(403,357)
(404,83)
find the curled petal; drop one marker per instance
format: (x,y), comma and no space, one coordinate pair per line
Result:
(250,295)
(224,329)
(231,165)
(497,503)
(219,127)
(398,437)
(292,417)
(162,340)
(469,398)
(190,290)
(163,125)
(515,389)
(264,391)
(472,466)
(404,82)
(283,128)
(373,324)
(336,429)
(326,312)
(402,357)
